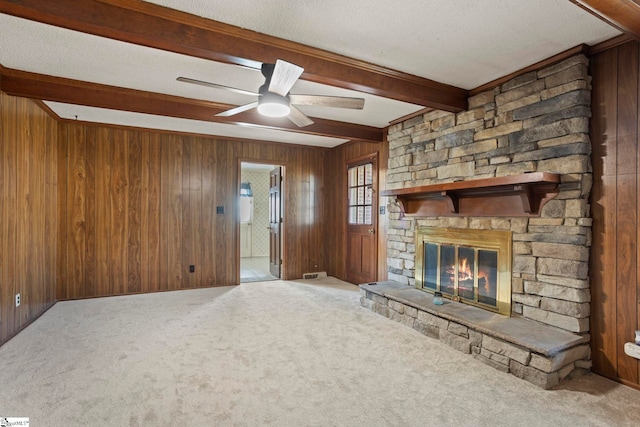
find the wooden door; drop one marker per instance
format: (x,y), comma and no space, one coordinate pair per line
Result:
(362,247)
(275,221)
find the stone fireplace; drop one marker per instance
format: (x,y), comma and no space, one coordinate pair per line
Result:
(518,162)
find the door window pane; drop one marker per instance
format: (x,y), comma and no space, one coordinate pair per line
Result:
(361,194)
(368,174)
(353,196)
(353,172)
(353,215)
(367,215)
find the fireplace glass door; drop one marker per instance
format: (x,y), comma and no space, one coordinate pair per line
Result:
(461,271)
(466,265)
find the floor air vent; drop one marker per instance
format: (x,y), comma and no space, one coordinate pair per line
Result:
(307,276)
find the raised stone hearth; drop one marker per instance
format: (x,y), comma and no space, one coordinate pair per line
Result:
(540,354)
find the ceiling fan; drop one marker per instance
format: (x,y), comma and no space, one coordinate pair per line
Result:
(274,99)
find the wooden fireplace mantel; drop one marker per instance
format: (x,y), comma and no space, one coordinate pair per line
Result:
(515,195)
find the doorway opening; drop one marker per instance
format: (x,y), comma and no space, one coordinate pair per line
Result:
(260,218)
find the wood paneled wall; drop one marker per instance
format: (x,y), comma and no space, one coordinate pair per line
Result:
(615,203)
(27,213)
(137,208)
(336,207)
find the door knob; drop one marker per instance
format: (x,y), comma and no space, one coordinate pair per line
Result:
(371,231)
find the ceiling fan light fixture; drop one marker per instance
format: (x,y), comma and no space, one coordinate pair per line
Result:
(273,105)
(274,98)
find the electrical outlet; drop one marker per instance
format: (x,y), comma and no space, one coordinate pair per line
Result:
(17,300)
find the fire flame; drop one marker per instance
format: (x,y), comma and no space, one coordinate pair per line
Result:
(465,273)
(464,270)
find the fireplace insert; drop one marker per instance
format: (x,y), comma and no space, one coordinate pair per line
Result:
(471,266)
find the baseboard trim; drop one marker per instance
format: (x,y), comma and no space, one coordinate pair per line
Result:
(17,331)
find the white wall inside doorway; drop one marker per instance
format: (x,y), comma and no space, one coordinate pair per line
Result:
(258,227)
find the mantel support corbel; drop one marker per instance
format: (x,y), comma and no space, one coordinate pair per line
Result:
(527,196)
(453,202)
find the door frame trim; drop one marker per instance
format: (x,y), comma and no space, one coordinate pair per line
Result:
(236,212)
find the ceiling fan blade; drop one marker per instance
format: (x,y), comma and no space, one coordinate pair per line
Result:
(284,76)
(299,118)
(328,101)
(216,86)
(237,110)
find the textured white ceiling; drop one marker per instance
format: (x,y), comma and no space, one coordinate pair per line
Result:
(45,49)
(460,42)
(465,43)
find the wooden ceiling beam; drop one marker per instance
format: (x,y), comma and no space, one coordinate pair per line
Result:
(622,14)
(49,88)
(147,24)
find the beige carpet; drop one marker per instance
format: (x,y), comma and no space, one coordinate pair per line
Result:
(273,353)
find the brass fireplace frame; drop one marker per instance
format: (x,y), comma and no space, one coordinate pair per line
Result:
(493,240)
